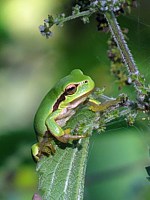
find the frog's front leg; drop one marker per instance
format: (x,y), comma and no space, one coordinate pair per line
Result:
(56,130)
(97,106)
(94,105)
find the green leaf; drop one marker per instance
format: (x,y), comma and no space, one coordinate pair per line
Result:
(62,176)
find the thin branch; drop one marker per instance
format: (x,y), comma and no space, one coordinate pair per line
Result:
(125,52)
(71,17)
(122,113)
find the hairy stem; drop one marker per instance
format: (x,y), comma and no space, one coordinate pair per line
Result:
(80,14)
(122,113)
(123,47)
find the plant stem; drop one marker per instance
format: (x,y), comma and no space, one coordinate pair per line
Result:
(80,14)
(124,50)
(122,113)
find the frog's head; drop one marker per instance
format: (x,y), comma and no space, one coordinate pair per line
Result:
(81,84)
(76,86)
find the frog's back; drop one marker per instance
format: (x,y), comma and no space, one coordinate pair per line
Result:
(47,105)
(45,108)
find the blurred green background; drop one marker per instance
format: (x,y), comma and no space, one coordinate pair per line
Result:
(30,65)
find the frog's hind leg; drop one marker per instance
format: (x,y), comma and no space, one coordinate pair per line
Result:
(35,152)
(44,147)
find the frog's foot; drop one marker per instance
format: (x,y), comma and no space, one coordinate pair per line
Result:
(43,148)
(35,152)
(68,137)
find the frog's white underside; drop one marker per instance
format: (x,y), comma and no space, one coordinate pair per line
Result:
(68,112)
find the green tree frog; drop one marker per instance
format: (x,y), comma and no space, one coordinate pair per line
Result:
(56,109)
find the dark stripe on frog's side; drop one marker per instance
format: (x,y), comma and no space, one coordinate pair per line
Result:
(60,99)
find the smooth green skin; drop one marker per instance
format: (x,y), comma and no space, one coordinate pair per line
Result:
(48,119)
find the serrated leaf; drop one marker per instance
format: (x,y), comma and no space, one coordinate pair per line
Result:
(62,176)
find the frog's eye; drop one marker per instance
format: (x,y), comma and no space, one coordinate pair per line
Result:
(70,89)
